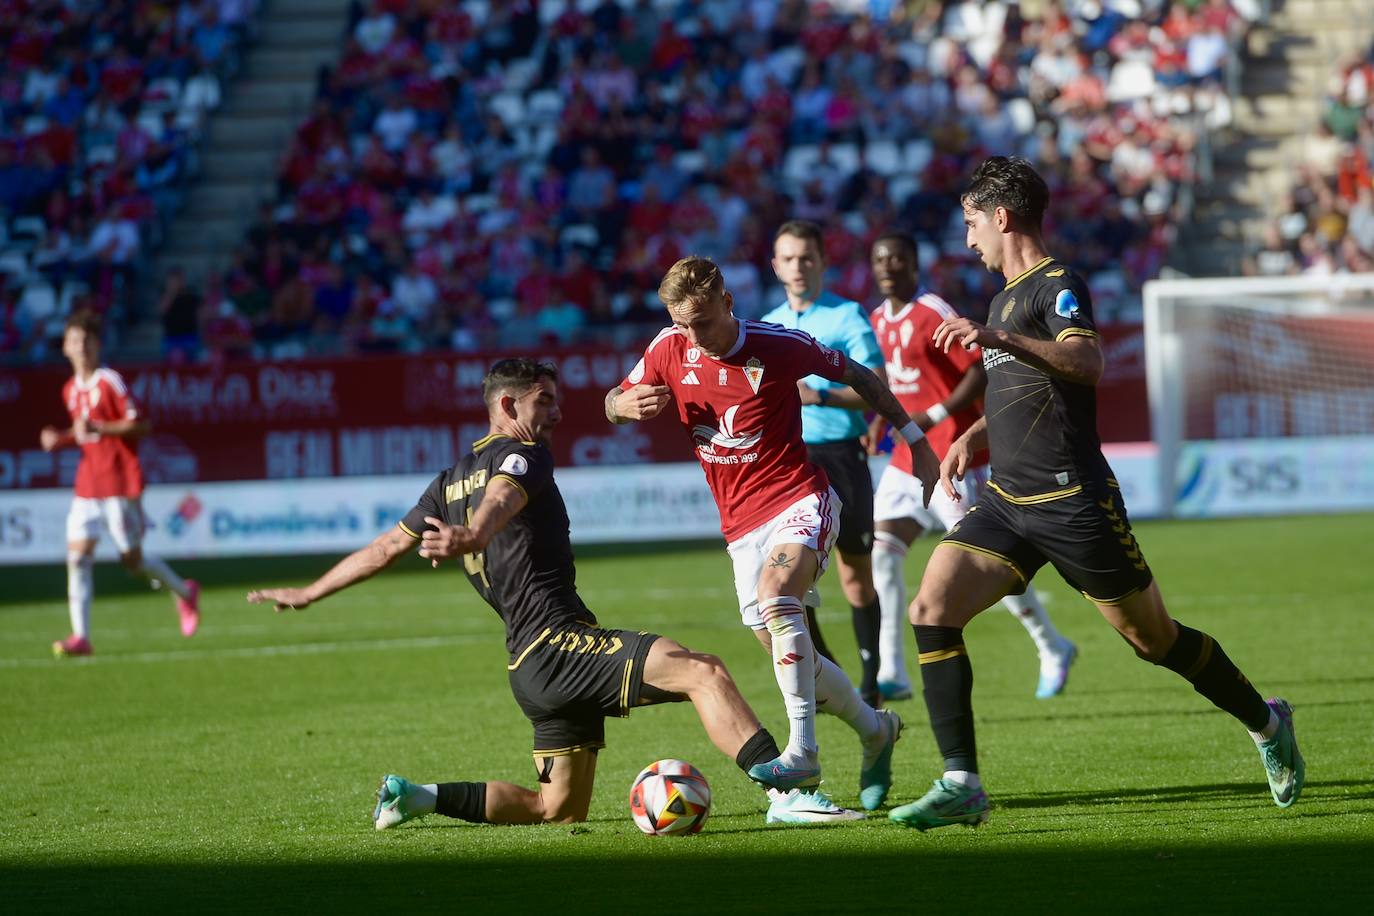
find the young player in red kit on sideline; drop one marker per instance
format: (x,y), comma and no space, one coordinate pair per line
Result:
(735,383)
(109,483)
(940,390)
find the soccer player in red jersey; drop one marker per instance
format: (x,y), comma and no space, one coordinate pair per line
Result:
(940,390)
(735,383)
(109,482)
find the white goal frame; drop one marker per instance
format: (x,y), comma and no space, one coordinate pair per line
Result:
(1165,350)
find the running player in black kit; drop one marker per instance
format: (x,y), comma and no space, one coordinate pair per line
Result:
(1051,499)
(500,511)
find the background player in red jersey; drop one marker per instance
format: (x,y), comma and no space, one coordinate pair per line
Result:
(941,391)
(736,387)
(109,482)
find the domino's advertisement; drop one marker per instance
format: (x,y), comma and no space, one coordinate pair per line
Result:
(659,502)
(258,518)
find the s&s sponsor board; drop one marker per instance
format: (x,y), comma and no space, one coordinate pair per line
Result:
(1275,476)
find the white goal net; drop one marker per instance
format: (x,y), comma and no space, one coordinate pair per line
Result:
(1262,393)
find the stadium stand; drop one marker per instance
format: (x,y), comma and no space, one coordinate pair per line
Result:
(1325,222)
(479,174)
(102,106)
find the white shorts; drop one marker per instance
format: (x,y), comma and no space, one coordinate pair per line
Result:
(899,496)
(812,520)
(120,515)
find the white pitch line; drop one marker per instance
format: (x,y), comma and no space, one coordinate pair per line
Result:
(304,648)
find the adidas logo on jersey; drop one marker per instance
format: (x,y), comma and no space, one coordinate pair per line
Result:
(690,378)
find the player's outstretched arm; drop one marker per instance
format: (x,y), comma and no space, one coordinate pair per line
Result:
(50,438)
(1076,359)
(123,429)
(924,465)
(641,402)
(357,566)
(501,503)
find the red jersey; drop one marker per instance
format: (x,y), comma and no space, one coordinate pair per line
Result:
(109,464)
(743,415)
(922,375)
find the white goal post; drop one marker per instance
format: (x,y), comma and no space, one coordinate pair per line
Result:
(1261,393)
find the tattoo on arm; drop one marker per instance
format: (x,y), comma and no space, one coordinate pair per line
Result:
(878,396)
(781,561)
(611,414)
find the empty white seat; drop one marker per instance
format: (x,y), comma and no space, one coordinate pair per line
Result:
(883,157)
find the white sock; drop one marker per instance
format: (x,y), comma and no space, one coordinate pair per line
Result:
(422,799)
(80,576)
(157,568)
(964,778)
(836,695)
(1269,730)
(889,563)
(1033,617)
(794,666)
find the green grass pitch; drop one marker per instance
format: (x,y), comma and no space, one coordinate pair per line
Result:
(234,772)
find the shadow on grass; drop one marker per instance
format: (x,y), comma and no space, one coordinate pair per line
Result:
(1346,789)
(927,874)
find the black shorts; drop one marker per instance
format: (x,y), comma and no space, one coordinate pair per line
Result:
(846,464)
(569,679)
(1086,536)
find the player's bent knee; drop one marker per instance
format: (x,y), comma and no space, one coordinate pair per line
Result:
(924,611)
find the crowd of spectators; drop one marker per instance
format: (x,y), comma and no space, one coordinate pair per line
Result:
(477,174)
(1324,224)
(102,104)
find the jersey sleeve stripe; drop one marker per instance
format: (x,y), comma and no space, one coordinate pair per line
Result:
(1074,332)
(938,305)
(774,330)
(116,381)
(512,481)
(402,526)
(659,338)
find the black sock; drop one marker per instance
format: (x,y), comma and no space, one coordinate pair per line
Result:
(464,800)
(759,749)
(817,639)
(1201,662)
(867,622)
(948,679)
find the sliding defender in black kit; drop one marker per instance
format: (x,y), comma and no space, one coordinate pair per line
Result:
(500,512)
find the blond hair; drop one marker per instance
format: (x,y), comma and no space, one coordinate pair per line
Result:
(694,280)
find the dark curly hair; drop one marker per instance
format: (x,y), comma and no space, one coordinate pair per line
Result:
(1009,182)
(516,375)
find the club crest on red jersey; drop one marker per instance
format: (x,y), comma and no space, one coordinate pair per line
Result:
(753,371)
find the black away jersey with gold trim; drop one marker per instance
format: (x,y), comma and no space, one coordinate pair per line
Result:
(527,572)
(1042,430)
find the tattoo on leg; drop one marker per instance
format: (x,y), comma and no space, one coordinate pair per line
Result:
(781,561)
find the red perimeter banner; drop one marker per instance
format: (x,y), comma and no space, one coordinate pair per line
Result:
(385,415)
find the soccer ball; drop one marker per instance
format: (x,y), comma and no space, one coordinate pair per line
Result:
(670,798)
